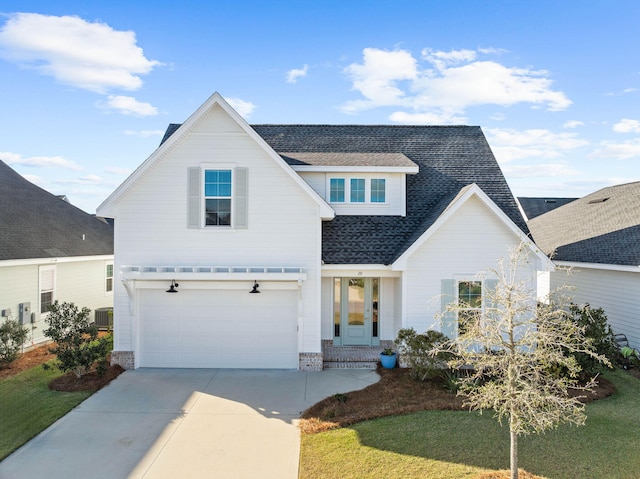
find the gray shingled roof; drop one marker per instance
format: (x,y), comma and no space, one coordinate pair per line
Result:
(449,158)
(603,227)
(36,224)
(347,159)
(538,206)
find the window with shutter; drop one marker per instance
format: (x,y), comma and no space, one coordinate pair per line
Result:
(217,198)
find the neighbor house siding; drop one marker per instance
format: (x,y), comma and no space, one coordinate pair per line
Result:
(470,242)
(614,291)
(81,283)
(284,224)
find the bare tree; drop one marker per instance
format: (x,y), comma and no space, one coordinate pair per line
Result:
(519,354)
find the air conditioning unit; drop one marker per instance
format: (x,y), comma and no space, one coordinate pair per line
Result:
(103,318)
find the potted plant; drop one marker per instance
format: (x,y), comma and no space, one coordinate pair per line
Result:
(388,358)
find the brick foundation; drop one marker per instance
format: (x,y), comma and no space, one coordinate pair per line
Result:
(125,359)
(310,361)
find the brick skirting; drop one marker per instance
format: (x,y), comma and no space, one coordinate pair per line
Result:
(310,361)
(125,359)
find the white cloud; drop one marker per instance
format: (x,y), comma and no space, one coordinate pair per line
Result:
(544,170)
(294,74)
(446,83)
(617,151)
(83,180)
(244,108)
(377,76)
(91,56)
(627,126)
(572,124)
(39,161)
(509,144)
(144,133)
(127,105)
(430,118)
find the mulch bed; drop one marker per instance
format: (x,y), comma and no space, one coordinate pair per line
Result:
(67,382)
(396,393)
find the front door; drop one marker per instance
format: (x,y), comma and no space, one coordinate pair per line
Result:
(356,311)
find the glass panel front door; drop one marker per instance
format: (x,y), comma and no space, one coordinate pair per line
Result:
(356,310)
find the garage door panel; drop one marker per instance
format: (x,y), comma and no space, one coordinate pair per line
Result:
(218,329)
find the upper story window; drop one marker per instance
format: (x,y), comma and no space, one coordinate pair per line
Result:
(218,197)
(378,190)
(217,194)
(336,190)
(357,190)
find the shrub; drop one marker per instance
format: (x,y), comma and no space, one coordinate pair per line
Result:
(12,337)
(416,349)
(77,345)
(598,332)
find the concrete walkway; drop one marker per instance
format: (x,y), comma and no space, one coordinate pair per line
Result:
(191,423)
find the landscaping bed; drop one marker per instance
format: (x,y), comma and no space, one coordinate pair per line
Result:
(67,382)
(396,393)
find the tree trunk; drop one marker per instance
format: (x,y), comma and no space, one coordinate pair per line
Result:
(514,455)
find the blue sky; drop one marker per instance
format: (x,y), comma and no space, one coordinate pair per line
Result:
(87,88)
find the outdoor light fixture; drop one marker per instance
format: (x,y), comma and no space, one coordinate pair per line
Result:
(255,287)
(172,288)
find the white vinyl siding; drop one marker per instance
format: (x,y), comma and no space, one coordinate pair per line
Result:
(616,292)
(283,226)
(472,241)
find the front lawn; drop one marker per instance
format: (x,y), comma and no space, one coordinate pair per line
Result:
(460,444)
(28,406)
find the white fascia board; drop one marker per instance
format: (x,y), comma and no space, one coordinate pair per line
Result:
(544,263)
(358,270)
(609,267)
(108,208)
(410,170)
(57,260)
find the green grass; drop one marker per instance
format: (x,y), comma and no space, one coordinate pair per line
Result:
(454,445)
(28,406)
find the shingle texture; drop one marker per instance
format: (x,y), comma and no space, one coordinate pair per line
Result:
(603,227)
(538,206)
(449,158)
(37,224)
(348,159)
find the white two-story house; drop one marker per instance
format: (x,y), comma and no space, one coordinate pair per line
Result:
(258,246)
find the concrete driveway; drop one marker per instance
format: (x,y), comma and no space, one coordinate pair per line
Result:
(191,423)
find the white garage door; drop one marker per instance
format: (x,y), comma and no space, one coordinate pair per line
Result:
(218,329)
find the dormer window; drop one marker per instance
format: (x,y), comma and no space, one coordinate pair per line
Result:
(378,190)
(336,190)
(355,190)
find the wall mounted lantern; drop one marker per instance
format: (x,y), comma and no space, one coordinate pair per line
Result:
(255,287)
(172,288)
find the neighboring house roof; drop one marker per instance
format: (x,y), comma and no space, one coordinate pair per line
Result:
(36,224)
(449,158)
(603,227)
(533,207)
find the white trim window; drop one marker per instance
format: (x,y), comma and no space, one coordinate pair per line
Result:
(469,304)
(108,282)
(217,197)
(357,190)
(46,287)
